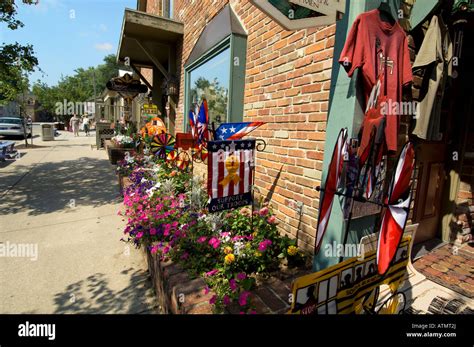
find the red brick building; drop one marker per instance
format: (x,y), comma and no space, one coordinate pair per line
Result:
(283,78)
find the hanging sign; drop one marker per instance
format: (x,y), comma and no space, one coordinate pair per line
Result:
(301,14)
(353,285)
(230,165)
(326,7)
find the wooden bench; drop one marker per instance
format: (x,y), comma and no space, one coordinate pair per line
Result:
(7,150)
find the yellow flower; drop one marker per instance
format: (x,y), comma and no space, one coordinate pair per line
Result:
(229,258)
(254,234)
(248,245)
(258,254)
(227,250)
(292,250)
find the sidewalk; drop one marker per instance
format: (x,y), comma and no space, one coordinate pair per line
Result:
(63,197)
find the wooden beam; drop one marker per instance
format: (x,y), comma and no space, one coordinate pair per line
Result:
(137,71)
(153,59)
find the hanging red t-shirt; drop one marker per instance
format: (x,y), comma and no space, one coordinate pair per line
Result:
(377,47)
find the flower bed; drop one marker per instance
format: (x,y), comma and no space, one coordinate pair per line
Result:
(228,252)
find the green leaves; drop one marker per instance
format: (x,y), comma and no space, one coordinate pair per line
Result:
(16,60)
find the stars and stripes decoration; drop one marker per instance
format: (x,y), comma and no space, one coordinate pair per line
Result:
(230,165)
(398,205)
(235,131)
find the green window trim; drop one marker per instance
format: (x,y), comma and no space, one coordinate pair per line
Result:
(238,58)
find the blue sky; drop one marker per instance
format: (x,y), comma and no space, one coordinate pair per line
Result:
(68,34)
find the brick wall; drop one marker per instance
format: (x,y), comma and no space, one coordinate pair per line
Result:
(287,85)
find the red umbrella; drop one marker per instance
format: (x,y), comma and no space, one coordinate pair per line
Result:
(398,206)
(332,182)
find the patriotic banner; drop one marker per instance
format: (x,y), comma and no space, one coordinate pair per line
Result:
(230,174)
(235,131)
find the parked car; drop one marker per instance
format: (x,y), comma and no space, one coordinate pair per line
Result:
(12,126)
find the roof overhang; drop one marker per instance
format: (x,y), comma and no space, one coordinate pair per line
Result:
(146,37)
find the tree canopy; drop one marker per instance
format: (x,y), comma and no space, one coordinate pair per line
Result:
(16,60)
(82,86)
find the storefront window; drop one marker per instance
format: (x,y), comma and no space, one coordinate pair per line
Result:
(211,81)
(215,70)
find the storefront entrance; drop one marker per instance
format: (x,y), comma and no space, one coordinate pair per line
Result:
(429,190)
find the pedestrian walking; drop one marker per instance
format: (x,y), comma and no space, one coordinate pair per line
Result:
(74,124)
(85,124)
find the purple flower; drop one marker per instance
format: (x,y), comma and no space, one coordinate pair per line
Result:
(226,300)
(241,276)
(212,301)
(153,231)
(243,298)
(233,285)
(206,290)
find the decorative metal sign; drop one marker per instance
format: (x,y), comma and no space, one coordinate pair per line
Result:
(353,285)
(230,173)
(301,14)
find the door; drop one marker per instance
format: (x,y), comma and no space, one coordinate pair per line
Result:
(429,190)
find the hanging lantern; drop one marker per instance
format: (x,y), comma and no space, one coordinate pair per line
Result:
(170,87)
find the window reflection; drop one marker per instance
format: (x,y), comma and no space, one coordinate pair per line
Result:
(211,81)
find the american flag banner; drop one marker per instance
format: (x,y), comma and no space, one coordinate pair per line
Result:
(229,172)
(235,131)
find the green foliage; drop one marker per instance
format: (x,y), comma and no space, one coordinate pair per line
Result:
(215,94)
(80,87)
(16,60)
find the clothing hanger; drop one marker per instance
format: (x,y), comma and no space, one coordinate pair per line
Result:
(385,12)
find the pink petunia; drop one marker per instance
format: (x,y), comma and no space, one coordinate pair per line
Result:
(243,298)
(139,235)
(212,301)
(214,242)
(153,231)
(202,239)
(206,290)
(226,300)
(271,220)
(263,245)
(263,212)
(233,285)
(212,272)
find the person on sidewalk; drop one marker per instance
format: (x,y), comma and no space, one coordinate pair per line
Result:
(74,124)
(85,124)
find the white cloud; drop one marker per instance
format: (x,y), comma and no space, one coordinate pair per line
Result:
(106,46)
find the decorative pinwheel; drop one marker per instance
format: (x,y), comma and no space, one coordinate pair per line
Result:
(182,160)
(397,208)
(162,145)
(333,179)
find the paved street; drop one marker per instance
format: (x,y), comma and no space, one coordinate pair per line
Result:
(63,197)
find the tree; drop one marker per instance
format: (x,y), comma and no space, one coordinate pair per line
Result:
(79,87)
(16,60)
